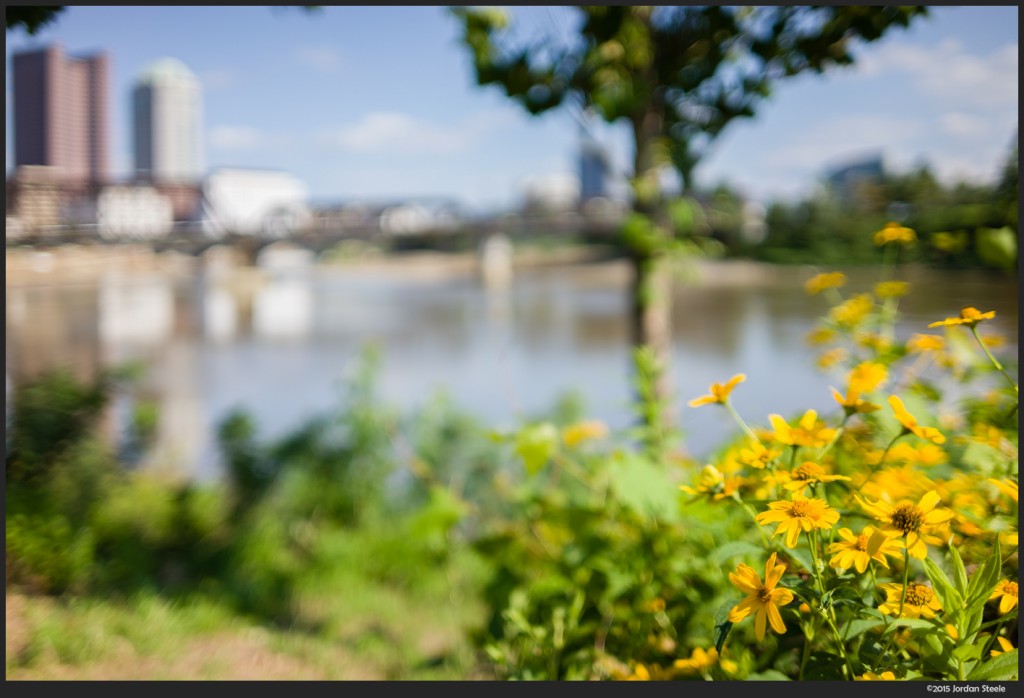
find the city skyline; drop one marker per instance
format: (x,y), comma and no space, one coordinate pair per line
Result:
(380,102)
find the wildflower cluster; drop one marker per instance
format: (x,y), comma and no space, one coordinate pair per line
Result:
(871,518)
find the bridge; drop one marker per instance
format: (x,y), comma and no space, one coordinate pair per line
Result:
(458,236)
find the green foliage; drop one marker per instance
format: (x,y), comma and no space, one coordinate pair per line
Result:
(46,554)
(31,18)
(959,225)
(678,75)
(50,413)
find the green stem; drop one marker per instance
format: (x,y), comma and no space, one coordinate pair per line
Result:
(995,362)
(903,597)
(835,437)
(992,638)
(906,572)
(753,515)
(739,420)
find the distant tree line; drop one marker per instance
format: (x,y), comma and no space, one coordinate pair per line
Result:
(959,225)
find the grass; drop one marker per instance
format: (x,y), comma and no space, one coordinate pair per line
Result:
(347,626)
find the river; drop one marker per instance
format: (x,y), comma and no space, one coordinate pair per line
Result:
(278,339)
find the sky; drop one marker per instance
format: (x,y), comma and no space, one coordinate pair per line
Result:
(380,102)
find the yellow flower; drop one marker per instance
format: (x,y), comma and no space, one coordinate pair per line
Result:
(830,279)
(850,313)
(952,631)
(828,359)
(871,676)
(1007,487)
(857,551)
(968,316)
(892,483)
(714,484)
(583,431)
(652,672)
(892,289)
(822,335)
(915,522)
(993,341)
(719,392)
(920,602)
(894,232)
(700,661)
(801,514)
(758,456)
(1005,644)
(1006,592)
(763,599)
(919,343)
(852,404)
(809,431)
(808,474)
(926,455)
(910,425)
(866,376)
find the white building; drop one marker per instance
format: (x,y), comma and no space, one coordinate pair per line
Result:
(124,213)
(268,203)
(167,120)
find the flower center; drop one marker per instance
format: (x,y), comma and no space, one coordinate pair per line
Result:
(764,595)
(808,471)
(918,594)
(862,543)
(1010,588)
(907,518)
(799,509)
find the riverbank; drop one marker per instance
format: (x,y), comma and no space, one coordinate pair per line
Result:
(73,264)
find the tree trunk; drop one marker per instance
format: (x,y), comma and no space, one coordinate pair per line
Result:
(651,284)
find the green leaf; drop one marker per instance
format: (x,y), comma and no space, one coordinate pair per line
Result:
(721,633)
(860,626)
(722,623)
(644,487)
(769,675)
(959,572)
(1000,668)
(912,623)
(823,666)
(982,582)
(951,599)
(536,444)
(967,652)
(798,557)
(732,549)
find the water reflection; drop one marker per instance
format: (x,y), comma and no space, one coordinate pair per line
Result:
(276,339)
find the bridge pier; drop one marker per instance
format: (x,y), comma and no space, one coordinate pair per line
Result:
(494,255)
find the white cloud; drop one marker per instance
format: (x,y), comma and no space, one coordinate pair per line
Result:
(946,71)
(244,138)
(325,59)
(836,139)
(974,167)
(964,125)
(403,133)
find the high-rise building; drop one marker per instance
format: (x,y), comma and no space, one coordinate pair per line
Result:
(594,170)
(61,114)
(167,123)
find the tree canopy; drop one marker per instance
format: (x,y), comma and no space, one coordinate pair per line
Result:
(31,18)
(678,74)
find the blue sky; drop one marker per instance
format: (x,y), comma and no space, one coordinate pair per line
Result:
(380,102)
